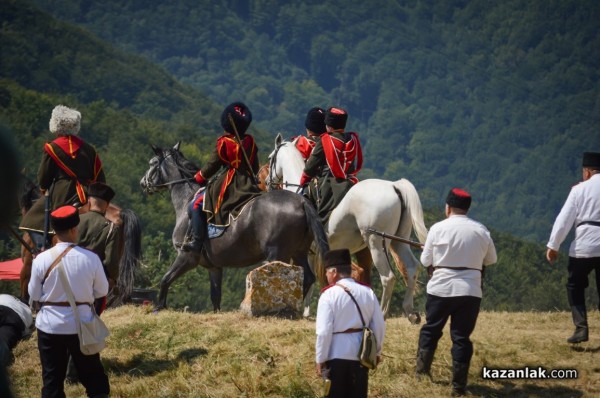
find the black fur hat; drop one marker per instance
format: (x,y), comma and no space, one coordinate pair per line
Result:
(242,117)
(315,120)
(336,118)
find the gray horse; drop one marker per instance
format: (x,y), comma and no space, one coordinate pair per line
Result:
(279,225)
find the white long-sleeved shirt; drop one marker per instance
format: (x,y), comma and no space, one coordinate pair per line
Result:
(457,242)
(337,312)
(582,204)
(86,278)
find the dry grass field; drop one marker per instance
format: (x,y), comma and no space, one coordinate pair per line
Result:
(177,354)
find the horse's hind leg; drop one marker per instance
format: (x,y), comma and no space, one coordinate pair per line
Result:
(381,262)
(25,274)
(216,282)
(365,263)
(409,268)
(184,262)
(308,281)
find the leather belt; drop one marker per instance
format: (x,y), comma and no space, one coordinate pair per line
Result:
(594,223)
(353,330)
(62,303)
(458,268)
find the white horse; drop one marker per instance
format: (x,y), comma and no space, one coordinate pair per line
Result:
(386,206)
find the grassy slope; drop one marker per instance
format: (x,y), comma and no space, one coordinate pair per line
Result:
(175,354)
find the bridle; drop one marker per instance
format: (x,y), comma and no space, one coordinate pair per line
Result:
(150,187)
(277,183)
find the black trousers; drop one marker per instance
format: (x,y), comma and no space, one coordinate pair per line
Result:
(463,312)
(54,354)
(349,379)
(577,282)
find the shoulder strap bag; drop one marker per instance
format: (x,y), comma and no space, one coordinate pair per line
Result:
(367,353)
(92,334)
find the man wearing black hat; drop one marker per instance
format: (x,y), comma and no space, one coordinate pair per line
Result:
(582,211)
(339,328)
(335,161)
(57,331)
(97,233)
(455,252)
(68,165)
(315,127)
(226,195)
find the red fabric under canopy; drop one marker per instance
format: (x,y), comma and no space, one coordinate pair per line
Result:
(10,270)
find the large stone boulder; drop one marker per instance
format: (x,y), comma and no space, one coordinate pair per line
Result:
(274,289)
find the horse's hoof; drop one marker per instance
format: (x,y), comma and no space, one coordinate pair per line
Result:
(414,318)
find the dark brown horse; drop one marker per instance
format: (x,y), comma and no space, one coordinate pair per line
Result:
(278,225)
(129,245)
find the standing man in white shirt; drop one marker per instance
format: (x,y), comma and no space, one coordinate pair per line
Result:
(455,252)
(339,328)
(57,331)
(582,211)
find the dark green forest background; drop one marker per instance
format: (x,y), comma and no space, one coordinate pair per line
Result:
(500,98)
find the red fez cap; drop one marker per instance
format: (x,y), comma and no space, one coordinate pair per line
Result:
(64,218)
(459,198)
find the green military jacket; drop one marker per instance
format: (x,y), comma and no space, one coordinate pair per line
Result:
(229,182)
(101,236)
(329,190)
(86,165)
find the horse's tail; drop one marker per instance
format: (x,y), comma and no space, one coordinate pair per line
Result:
(407,191)
(413,214)
(132,253)
(319,236)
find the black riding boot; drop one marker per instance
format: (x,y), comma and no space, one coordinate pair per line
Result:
(198,220)
(424,360)
(460,372)
(581,325)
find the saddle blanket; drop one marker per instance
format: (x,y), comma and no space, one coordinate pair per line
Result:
(214,231)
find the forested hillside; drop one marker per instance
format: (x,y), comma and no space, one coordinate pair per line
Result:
(128,102)
(498,97)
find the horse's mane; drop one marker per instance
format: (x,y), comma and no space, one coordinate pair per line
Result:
(186,165)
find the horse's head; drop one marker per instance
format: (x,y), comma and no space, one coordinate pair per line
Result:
(30,192)
(285,166)
(166,168)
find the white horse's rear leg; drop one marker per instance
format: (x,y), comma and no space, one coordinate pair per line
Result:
(388,279)
(410,265)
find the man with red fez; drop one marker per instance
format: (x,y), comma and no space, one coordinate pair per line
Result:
(68,166)
(582,212)
(455,252)
(55,322)
(334,161)
(339,328)
(226,195)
